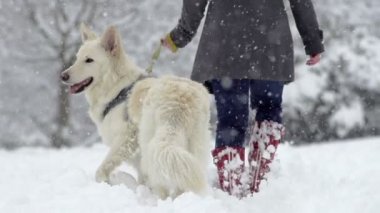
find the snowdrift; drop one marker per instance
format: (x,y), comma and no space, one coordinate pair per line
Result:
(340,177)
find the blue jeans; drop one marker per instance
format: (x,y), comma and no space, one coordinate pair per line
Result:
(233,98)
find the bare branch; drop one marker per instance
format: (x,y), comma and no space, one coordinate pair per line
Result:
(62,11)
(57,23)
(37,59)
(36,22)
(79,17)
(92,13)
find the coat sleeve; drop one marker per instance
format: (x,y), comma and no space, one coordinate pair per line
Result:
(192,14)
(307,25)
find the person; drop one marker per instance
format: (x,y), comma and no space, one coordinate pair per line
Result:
(245,57)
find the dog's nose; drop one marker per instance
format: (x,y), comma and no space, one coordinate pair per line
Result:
(65,76)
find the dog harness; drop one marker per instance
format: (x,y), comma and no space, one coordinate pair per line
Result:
(121,97)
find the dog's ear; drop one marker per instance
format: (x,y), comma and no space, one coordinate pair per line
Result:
(111,41)
(86,33)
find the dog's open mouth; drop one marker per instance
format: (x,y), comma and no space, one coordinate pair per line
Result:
(79,87)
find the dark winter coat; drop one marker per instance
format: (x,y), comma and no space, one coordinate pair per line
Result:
(246,38)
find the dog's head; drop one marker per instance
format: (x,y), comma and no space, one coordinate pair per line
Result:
(93,60)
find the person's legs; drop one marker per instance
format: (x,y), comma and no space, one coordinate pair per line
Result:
(232,103)
(266,98)
(232,110)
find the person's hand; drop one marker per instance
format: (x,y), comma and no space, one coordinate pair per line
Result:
(313,60)
(167,42)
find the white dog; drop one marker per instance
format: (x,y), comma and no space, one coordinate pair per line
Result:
(166,118)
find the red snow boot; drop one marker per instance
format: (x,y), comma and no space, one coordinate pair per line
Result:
(265,138)
(230,164)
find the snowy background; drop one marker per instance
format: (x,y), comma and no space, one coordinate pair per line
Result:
(337,100)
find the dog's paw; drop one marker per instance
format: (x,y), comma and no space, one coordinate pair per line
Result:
(101,176)
(123,178)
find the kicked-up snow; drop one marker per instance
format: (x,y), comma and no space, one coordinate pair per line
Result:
(341,177)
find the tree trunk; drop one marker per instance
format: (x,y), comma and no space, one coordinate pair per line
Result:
(58,138)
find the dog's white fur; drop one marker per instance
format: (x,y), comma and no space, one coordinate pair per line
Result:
(168,118)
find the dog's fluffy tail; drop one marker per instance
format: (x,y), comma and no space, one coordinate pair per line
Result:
(174,163)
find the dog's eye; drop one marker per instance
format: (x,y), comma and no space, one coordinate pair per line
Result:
(89,60)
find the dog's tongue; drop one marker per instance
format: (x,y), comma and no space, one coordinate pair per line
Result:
(79,87)
(75,88)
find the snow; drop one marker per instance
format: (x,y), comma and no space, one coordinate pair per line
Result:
(336,177)
(349,117)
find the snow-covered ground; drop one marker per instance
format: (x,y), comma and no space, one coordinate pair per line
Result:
(337,178)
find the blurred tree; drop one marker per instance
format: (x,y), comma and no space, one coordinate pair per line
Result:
(57,26)
(339,98)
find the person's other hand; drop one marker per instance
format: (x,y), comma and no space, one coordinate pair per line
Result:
(167,42)
(313,60)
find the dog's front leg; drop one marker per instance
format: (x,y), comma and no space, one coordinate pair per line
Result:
(122,150)
(113,159)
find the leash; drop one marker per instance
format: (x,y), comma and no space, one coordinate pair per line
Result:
(155,56)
